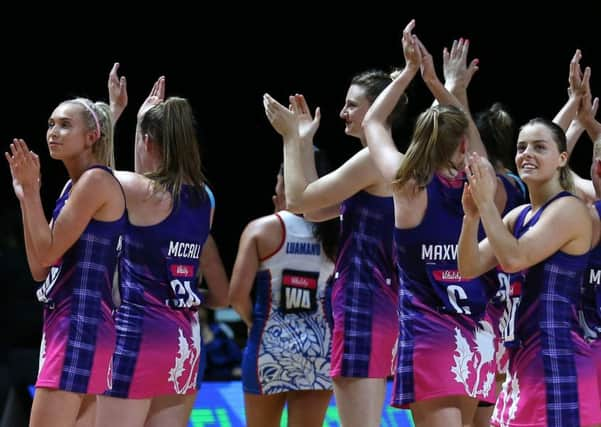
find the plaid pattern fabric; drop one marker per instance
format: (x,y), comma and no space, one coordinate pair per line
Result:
(129,322)
(358,295)
(404,390)
(557,348)
(89,279)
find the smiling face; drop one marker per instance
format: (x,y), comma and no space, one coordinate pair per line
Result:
(67,133)
(356,105)
(538,157)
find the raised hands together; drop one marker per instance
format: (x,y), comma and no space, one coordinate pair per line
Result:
(481,186)
(411,51)
(24,168)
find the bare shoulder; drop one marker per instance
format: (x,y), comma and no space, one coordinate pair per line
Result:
(136,186)
(263,226)
(96,180)
(569,212)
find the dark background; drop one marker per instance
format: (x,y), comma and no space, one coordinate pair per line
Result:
(224,62)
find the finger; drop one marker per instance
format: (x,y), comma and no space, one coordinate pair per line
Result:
(302,103)
(576,57)
(454,48)
(445,57)
(317,118)
(464,49)
(21,148)
(153,91)
(113,72)
(294,104)
(473,67)
(409,27)
(595,106)
(161,88)
(586,77)
(123,83)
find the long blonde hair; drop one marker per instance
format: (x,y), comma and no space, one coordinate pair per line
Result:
(437,134)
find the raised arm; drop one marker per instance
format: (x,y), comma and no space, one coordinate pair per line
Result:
(375,124)
(473,258)
(567,217)
(457,74)
(88,197)
(447,98)
(578,82)
(307,127)
(37,269)
(355,174)
(117,93)
(585,118)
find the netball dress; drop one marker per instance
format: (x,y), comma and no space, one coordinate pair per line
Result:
(289,344)
(158,335)
(78,333)
(445,343)
(590,309)
(551,379)
(506,300)
(364,292)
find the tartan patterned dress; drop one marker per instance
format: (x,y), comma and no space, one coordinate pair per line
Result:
(79,332)
(551,379)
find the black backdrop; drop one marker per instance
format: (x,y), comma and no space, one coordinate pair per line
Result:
(223,62)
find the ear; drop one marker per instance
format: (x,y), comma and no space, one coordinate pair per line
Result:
(90,138)
(148,145)
(563,158)
(463,144)
(597,167)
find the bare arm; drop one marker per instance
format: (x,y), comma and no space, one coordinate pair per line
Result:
(578,84)
(475,258)
(117,93)
(261,238)
(88,197)
(378,134)
(567,217)
(214,274)
(304,196)
(356,174)
(323,214)
(457,74)
(447,98)
(37,269)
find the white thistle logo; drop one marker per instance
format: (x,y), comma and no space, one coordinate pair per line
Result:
(186,361)
(510,396)
(483,354)
(42,353)
(51,279)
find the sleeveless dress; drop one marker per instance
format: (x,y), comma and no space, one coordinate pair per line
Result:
(78,332)
(289,344)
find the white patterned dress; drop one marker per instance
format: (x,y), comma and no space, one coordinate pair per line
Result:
(289,345)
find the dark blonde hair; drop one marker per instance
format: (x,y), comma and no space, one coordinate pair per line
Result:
(103,148)
(559,137)
(171,125)
(437,134)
